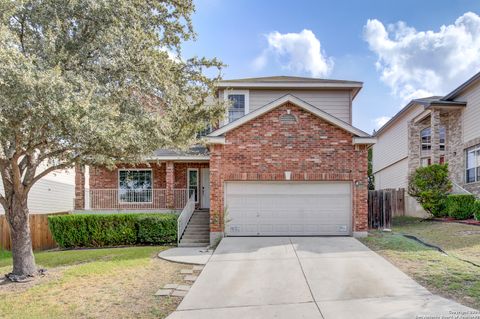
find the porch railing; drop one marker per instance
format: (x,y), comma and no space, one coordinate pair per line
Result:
(127,199)
(180,197)
(185,216)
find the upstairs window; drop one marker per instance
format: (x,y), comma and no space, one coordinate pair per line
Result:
(239,104)
(442,138)
(237,109)
(426,138)
(473,165)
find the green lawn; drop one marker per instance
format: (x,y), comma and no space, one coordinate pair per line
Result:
(94,283)
(445,275)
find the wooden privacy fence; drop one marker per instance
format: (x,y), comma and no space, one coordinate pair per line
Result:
(383,205)
(40,233)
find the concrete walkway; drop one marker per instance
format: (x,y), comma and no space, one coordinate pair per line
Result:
(322,277)
(187,255)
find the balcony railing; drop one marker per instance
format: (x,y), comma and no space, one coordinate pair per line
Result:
(135,199)
(128,199)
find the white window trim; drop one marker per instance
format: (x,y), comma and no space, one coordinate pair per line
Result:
(246,93)
(118,184)
(473,149)
(198,185)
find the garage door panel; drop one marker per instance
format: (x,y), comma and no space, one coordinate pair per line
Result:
(276,208)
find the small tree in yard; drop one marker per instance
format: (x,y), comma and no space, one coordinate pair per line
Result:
(430,186)
(92,82)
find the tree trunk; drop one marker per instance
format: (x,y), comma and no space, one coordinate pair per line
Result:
(22,252)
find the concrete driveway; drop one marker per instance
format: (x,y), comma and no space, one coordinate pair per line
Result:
(299,277)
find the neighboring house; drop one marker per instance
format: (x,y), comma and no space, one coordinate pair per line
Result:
(432,130)
(53,193)
(287,162)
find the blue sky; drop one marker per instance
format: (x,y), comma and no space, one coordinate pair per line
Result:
(403,52)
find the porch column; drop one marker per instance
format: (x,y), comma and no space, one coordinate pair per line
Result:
(435,135)
(79,187)
(87,186)
(170,181)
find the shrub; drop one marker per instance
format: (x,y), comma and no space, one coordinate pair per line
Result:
(101,230)
(461,206)
(430,186)
(156,229)
(477,210)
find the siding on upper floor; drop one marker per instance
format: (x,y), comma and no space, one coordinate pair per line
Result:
(392,144)
(471,114)
(334,102)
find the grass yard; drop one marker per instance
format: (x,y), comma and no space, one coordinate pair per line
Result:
(445,275)
(93,283)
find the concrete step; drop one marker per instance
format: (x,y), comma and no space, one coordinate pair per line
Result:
(194,241)
(205,237)
(193,244)
(199,222)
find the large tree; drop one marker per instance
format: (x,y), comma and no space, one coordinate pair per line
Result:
(92,82)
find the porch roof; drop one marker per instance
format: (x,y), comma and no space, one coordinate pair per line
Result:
(195,153)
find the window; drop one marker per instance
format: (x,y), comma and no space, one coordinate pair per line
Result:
(239,104)
(207,130)
(426,138)
(442,138)
(192,183)
(473,165)
(237,109)
(135,186)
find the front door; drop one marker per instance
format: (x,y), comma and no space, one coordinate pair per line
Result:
(205,187)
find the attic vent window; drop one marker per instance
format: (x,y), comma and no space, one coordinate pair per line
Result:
(288,118)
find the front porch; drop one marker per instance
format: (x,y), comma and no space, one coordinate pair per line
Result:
(153,186)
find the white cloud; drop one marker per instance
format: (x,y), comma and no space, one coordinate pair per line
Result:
(421,63)
(297,52)
(380,121)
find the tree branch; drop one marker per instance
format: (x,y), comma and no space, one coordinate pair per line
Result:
(3,202)
(46,172)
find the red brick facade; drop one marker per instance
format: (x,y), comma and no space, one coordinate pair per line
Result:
(262,150)
(311,149)
(165,175)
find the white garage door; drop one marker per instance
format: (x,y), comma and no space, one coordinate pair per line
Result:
(288,208)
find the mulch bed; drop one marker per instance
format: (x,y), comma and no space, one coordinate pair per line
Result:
(453,220)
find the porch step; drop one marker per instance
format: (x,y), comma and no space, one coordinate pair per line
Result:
(193,244)
(197,233)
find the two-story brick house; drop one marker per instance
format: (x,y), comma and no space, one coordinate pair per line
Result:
(437,129)
(287,161)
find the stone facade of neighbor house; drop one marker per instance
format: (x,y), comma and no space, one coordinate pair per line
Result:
(286,162)
(400,148)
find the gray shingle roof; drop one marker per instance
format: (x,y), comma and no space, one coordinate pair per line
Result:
(194,151)
(293,79)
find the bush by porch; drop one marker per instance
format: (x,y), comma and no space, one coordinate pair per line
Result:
(103,230)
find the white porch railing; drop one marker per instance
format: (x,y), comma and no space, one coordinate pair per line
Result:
(180,197)
(185,216)
(127,199)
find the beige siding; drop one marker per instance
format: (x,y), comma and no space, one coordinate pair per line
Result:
(336,103)
(471,115)
(392,144)
(53,193)
(393,176)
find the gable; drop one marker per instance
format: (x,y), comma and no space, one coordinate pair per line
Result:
(297,102)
